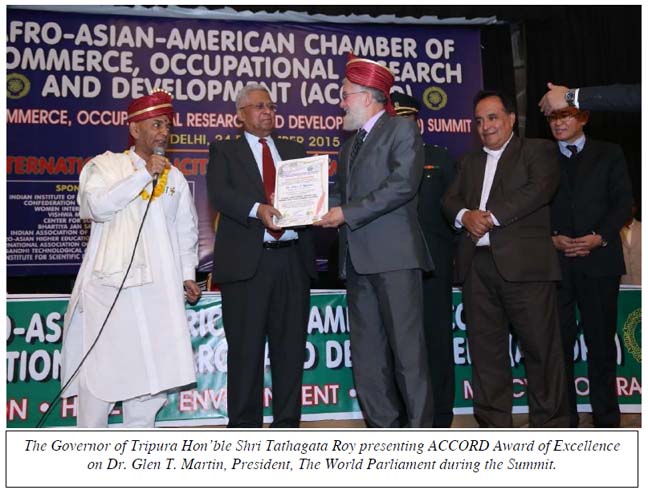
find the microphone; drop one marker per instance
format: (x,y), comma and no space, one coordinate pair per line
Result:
(159,151)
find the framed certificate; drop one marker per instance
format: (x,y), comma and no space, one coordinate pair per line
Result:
(301,190)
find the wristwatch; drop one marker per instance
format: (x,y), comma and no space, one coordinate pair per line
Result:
(603,241)
(570,97)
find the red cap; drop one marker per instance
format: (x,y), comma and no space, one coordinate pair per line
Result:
(159,102)
(368,73)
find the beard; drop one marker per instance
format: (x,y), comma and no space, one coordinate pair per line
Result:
(353,120)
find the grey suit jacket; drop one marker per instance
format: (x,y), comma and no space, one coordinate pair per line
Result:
(379,200)
(525,181)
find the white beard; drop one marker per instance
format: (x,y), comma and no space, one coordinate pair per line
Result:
(353,120)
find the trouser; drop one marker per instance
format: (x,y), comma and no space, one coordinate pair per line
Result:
(491,303)
(437,318)
(274,304)
(138,412)
(388,349)
(596,299)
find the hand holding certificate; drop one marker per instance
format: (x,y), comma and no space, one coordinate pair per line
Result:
(301,190)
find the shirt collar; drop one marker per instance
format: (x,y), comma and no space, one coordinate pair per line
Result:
(496,153)
(254,140)
(369,124)
(579,143)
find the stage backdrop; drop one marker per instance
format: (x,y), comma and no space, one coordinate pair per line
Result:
(71,76)
(33,363)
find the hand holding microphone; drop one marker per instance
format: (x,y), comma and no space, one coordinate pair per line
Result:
(156,165)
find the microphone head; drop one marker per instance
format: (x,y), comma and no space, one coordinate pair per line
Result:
(159,151)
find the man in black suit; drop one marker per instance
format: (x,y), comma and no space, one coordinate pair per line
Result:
(438,174)
(507,262)
(592,204)
(382,250)
(264,272)
(616,97)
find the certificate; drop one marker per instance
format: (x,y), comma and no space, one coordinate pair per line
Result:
(301,190)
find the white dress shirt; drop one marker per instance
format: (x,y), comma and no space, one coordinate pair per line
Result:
(257,151)
(492,158)
(579,143)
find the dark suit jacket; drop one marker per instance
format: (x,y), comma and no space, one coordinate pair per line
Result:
(618,97)
(234,184)
(438,173)
(601,201)
(526,179)
(379,200)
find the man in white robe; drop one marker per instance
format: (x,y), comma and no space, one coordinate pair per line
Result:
(144,349)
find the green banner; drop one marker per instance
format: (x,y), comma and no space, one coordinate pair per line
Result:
(327,387)
(34,335)
(628,360)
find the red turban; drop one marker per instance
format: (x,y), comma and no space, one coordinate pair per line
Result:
(368,73)
(158,103)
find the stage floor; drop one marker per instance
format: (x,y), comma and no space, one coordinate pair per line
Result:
(628,420)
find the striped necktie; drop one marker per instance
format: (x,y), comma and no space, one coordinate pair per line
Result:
(357,144)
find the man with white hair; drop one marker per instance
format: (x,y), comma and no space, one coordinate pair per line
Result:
(264,272)
(382,250)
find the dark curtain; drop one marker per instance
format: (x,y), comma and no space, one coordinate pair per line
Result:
(497,60)
(588,46)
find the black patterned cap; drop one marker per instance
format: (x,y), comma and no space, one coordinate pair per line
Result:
(404,104)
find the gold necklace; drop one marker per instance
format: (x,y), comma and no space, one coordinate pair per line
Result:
(159,188)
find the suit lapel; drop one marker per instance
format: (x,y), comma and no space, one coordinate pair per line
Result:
(283,151)
(370,140)
(478,170)
(343,171)
(249,164)
(585,165)
(505,161)
(564,176)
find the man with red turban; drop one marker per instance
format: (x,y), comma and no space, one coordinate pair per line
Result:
(382,250)
(144,348)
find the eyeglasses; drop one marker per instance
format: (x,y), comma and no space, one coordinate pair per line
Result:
(261,106)
(561,115)
(346,95)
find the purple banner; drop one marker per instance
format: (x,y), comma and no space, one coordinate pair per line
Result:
(70,78)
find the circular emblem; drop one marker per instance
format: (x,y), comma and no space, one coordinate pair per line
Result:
(435,98)
(17,86)
(630,336)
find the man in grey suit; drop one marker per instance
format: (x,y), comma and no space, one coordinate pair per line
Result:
(508,265)
(438,174)
(382,251)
